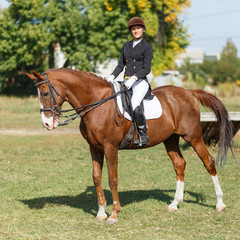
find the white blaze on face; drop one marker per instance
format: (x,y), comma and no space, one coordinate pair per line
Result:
(48,122)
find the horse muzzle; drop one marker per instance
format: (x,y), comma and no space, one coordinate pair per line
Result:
(49,123)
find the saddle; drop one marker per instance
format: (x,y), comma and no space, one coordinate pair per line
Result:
(126,99)
(150,104)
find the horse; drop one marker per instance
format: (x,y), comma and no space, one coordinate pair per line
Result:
(180,118)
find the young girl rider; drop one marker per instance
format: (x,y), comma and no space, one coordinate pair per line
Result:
(136,57)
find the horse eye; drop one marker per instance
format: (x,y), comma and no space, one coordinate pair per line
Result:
(45,94)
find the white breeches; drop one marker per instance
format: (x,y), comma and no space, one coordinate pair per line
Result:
(140,89)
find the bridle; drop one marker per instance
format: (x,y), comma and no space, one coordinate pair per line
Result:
(52,96)
(79,111)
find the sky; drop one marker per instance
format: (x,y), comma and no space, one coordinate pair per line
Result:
(210,22)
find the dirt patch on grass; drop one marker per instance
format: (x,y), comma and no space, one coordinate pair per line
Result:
(38,131)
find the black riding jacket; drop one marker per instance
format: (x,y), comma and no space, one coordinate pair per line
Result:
(137,60)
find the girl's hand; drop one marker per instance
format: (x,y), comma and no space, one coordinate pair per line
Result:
(130,82)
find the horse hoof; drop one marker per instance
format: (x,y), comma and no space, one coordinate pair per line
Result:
(172,209)
(220,208)
(100,219)
(111,221)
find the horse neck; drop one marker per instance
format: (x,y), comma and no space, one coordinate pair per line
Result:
(83,89)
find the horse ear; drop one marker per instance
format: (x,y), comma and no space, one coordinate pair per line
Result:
(36,76)
(31,76)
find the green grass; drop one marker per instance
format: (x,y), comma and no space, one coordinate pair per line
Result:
(23,113)
(47,192)
(231,104)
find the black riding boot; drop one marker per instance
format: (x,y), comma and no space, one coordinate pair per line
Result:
(140,120)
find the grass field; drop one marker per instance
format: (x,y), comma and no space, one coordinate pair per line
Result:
(47,192)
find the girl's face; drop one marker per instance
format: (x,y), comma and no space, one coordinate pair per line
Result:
(137,32)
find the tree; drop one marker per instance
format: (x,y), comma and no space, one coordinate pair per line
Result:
(228,67)
(164,29)
(23,42)
(29,32)
(68,26)
(88,31)
(106,31)
(195,76)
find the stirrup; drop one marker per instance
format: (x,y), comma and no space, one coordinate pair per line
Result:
(140,142)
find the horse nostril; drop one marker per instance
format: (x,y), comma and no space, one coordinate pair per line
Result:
(46,125)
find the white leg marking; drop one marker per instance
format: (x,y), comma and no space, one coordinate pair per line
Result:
(178,196)
(220,206)
(101,215)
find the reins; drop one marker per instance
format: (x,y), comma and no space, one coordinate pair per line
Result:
(75,115)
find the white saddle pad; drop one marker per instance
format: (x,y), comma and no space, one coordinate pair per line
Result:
(152,108)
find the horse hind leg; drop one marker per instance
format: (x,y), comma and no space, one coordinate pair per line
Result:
(208,161)
(179,164)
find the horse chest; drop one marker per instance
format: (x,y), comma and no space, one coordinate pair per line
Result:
(91,134)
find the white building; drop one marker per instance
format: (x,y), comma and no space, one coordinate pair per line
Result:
(196,56)
(169,77)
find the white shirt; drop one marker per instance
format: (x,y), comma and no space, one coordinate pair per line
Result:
(136,42)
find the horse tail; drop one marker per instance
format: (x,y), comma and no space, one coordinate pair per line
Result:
(225,126)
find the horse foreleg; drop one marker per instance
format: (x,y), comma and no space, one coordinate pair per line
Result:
(179,164)
(97,160)
(111,154)
(208,161)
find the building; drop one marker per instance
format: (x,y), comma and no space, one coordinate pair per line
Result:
(196,56)
(169,77)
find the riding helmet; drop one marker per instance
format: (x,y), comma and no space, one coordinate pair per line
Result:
(136,21)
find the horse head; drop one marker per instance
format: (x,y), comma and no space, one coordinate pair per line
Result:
(50,98)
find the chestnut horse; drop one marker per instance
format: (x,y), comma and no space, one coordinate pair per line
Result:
(180,118)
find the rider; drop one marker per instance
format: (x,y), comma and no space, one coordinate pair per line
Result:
(136,58)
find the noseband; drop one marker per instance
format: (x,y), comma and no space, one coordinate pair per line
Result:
(79,111)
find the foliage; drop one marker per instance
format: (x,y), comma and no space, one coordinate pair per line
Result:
(20,46)
(69,26)
(208,66)
(227,90)
(29,32)
(88,32)
(228,67)
(195,77)
(164,29)
(106,32)
(225,70)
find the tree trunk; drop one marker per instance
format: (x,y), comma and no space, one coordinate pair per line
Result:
(51,56)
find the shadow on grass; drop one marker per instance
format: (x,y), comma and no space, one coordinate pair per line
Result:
(87,201)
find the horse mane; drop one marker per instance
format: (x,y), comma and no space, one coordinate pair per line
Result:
(79,72)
